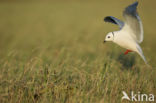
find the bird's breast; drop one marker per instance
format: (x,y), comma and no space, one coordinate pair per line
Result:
(125,42)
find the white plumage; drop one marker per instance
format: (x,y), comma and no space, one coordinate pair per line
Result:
(130,34)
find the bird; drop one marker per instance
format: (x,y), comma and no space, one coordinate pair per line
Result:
(130,33)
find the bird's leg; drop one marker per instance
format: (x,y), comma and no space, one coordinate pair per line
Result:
(127,51)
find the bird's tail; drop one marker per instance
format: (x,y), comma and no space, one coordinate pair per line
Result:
(140,52)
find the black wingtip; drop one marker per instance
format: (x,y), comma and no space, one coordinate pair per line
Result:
(105,18)
(135,4)
(109,19)
(131,9)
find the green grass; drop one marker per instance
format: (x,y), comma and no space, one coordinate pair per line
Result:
(52,52)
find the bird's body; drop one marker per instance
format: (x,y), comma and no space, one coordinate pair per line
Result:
(124,41)
(130,34)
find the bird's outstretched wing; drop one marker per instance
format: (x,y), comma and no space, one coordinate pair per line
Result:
(114,20)
(133,21)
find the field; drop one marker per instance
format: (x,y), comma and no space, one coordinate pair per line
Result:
(53,52)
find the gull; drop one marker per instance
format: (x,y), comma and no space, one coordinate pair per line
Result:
(130,33)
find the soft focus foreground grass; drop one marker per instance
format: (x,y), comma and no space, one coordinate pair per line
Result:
(53,52)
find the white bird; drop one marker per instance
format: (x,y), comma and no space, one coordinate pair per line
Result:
(130,34)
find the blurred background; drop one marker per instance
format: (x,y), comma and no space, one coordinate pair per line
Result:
(37,25)
(56,34)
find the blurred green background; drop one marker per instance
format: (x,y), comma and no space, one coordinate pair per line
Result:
(53,51)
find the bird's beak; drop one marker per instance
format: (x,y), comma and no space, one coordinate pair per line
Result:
(104,41)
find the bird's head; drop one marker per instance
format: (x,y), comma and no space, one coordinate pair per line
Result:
(109,37)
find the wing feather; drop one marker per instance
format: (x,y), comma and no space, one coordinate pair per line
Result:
(114,20)
(133,20)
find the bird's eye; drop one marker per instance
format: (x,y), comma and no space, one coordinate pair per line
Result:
(108,36)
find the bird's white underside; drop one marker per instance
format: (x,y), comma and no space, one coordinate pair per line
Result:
(127,39)
(130,34)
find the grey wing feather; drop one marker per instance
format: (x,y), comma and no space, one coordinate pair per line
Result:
(133,20)
(114,20)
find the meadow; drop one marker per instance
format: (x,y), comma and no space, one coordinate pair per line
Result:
(53,52)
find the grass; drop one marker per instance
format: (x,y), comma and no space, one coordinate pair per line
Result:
(52,52)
